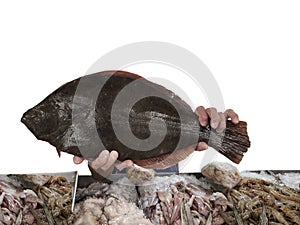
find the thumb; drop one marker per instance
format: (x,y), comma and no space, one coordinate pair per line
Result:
(77,159)
(201,146)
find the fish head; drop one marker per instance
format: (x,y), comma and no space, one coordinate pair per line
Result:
(42,120)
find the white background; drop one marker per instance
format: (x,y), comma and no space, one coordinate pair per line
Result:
(251,47)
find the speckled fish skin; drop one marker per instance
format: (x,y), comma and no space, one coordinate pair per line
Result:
(52,120)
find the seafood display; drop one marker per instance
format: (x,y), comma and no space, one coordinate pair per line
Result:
(108,204)
(235,200)
(249,198)
(47,201)
(17,204)
(102,106)
(222,173)
(96,190)
(184,199)
(57,196)
(139,175)
(181,200)
(113,209)
(256,201)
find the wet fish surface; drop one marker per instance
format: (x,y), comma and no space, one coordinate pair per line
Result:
(122,111)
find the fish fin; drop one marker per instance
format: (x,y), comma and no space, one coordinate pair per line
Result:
(58,152)
(233,143)
(121,73)
(167,160)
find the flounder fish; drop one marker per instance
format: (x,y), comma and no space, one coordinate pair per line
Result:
(122,111)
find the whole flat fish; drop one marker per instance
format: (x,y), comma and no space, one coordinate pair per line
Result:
(122,111)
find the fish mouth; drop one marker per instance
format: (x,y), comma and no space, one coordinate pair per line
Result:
(32,126)
(31,121)
(39,126)
(28,121)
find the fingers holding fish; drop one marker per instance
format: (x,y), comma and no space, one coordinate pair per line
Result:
(217,119)
(202,115)
(113,156)
(222,122)
(203,120)
(214,117)
(230,113)
(105,160)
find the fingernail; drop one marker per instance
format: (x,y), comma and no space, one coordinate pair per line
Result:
(204,124)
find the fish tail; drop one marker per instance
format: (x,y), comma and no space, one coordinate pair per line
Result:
(232,143)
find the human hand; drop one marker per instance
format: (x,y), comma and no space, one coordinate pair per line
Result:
(217,120)
(105,162)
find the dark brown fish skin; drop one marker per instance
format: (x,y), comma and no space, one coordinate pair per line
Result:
(45,122)
(52,120)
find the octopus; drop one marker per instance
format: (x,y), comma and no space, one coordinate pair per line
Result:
(107,207)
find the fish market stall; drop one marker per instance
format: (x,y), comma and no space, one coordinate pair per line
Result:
(37,198)
(218,195)
(260,197)
(152,126)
